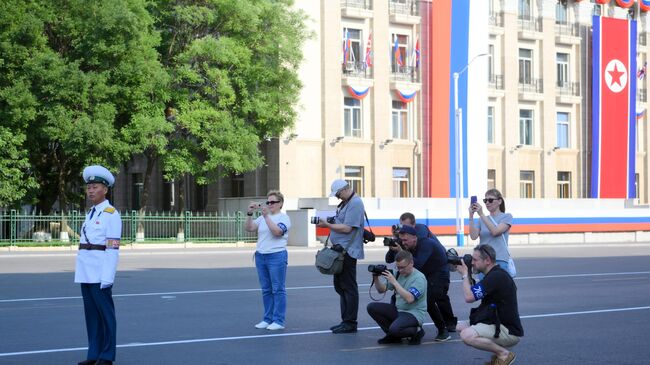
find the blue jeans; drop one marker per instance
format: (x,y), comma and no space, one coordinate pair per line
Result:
(272,273)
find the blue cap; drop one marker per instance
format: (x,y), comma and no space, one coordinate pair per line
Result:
(98,174)
(407,229)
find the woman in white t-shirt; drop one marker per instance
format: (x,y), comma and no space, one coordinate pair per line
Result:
(272,228)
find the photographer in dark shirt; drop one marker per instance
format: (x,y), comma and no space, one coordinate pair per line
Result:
(495,323)
(421,230)
(430,259)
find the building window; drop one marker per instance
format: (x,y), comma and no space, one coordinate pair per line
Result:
(354,51)
(237,185)
(352,117)
(169,195)
(526,127)
(525,66)
(526,184)
(401,184)
(562,127)
(491,179)
(561,13)
(564,184)
(136,193)
(562,65)
(524,10)
(490,124)
(354,177)
(399,56)
(400,117)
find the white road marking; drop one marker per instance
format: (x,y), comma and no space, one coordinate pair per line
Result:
(293,334)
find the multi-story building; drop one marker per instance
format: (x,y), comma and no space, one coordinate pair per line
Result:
(368,112)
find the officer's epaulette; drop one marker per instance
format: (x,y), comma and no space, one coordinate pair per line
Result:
(110,210)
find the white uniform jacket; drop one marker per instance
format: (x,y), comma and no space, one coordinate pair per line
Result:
(97,266)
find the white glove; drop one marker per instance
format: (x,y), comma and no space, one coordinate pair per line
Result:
(105,285)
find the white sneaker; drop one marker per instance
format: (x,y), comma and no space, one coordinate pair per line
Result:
(274,326)
(262,325)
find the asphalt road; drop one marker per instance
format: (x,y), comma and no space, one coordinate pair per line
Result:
(579,305)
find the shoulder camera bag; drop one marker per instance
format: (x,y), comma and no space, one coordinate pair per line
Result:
(368,234)
(329,259)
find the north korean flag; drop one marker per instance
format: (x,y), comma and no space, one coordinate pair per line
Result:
(613,108)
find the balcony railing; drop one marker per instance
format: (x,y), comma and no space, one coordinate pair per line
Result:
(643,39)
(357,4)
(642,95)
(495,81)
(567,29)
(357,69)
(409,7)
(530,24)
(568,88)
(496,19)
(405,73)
(531,86)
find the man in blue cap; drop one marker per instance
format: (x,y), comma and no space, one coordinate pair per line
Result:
(96,266)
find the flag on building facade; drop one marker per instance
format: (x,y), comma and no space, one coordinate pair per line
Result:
(641,73)
(416,53)
(397,55)
(346,46)
(613,108)
(368,58)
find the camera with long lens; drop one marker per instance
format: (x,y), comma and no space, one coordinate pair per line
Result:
(316,220)
(453,259)
(378,269)
(392,241)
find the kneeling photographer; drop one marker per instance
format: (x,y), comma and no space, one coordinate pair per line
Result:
(495,324)
(405,317)
(430,258)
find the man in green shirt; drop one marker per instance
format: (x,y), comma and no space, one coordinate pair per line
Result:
(405,317)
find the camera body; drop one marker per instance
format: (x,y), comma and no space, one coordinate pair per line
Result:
(392,241)
(316,220)
(378,269)
(454,259)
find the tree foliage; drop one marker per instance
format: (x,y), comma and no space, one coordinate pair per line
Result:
(88,82)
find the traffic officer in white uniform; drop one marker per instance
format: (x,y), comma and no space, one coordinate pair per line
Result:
(96,265)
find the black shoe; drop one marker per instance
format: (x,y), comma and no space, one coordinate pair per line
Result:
(388,340)
(443,335)
(336,326)
(88,362)
(345,328)
(451,328)
(417,338)
(103,362)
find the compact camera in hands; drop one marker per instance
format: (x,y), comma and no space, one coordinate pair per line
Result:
(378,269)
(316,220)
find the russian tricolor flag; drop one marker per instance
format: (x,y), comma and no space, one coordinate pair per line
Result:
(614,108)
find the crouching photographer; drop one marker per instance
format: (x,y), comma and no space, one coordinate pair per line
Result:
(404,318)
(495,324)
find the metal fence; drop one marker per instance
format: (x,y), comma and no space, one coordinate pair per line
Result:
(21,228)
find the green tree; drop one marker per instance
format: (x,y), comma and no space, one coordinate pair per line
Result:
(78,73)
(234,81)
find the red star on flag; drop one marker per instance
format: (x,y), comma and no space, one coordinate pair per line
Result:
(616,75)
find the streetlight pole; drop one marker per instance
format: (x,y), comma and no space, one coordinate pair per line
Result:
(458,132)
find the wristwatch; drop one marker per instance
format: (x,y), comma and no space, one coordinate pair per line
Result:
(249,214)
(464,277)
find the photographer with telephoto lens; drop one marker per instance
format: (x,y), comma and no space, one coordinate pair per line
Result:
(405,317)
(430,259)
(347,231)
(495,324)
